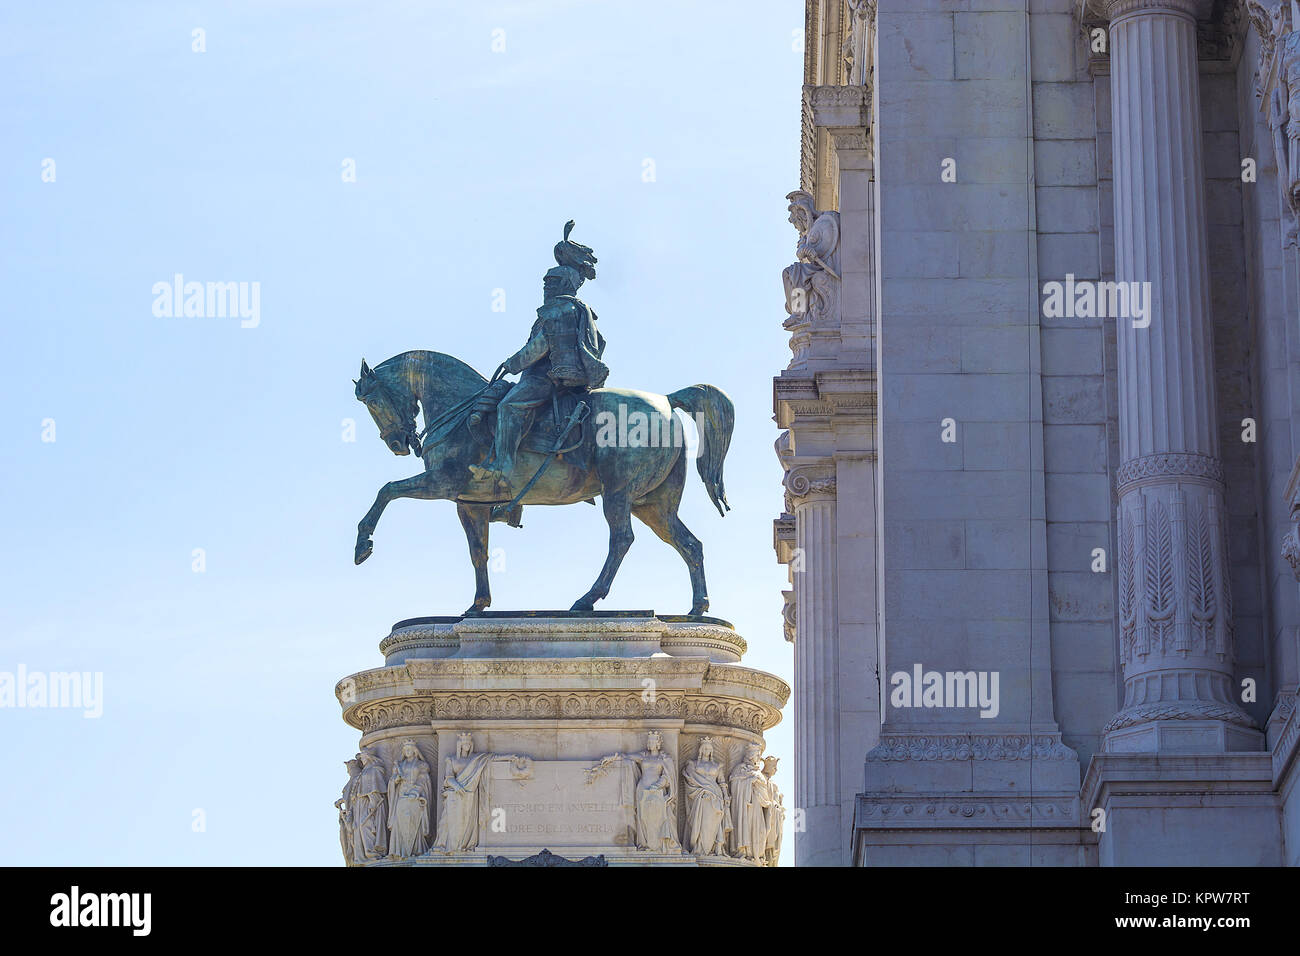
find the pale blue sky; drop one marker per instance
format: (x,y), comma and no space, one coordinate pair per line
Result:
(183,433)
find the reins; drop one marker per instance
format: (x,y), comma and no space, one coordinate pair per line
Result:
(458,409)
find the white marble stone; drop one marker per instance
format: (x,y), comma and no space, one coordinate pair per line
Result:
(502,735)
(1158,688)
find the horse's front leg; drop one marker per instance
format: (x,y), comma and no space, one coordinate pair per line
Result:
(475,518)
(420,486)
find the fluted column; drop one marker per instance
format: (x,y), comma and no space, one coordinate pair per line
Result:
(811,492)
(1175,602)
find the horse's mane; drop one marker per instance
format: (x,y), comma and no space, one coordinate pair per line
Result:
(439,380)
(439,364)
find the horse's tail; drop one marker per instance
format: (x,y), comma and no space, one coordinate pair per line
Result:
(714,416)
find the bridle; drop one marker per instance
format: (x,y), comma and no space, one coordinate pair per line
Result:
(408,432)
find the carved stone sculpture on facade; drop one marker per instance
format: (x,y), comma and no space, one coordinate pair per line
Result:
(1279,87)
(347,831)
(410,788)
(1288,48)
(812,283)
(857,42)
(649,778)
(775,813)
(750,800)
(466,794)
(370,810)
(1291,551)
(708,803)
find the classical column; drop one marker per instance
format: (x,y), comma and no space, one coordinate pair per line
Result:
(1175,602)
(811,495)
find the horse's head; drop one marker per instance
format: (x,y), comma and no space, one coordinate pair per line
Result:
(393,408)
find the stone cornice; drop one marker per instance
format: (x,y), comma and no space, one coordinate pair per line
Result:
(427,636)
(894,747)
(824,394)
(891,811)
(417,692)
(1287,746)
(492,637)
(550,668)
(783,538)
(418,712)
(1167,774)
(737,676)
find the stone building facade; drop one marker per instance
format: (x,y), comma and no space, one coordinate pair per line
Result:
(1040,432)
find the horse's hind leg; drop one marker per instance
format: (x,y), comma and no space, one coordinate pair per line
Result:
(618,514)
(658,511)
(475,519)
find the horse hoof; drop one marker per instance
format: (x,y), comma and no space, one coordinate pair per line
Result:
(699,610)
(477,606)
(364,550)
(583,604)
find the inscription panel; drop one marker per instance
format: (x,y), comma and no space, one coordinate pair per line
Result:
(558,807)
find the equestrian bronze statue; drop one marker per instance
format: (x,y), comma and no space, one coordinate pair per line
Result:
(557,436)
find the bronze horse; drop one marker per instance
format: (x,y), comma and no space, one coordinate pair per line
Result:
(642,478)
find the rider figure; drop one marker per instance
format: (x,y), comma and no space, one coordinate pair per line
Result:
(563,351)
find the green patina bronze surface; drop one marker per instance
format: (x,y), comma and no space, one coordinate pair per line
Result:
(544,449)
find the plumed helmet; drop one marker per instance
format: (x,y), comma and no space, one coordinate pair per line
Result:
(574,255)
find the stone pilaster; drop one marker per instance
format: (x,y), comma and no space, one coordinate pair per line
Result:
(825,401)
(1175,599)
(811,491)
(827,538)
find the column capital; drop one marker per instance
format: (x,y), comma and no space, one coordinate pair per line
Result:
(811,483)
(1114,9)
(839,107)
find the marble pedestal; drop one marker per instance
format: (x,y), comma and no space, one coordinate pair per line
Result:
(542,698)
(1185,809)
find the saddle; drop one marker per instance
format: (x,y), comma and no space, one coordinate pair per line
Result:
(548,422)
